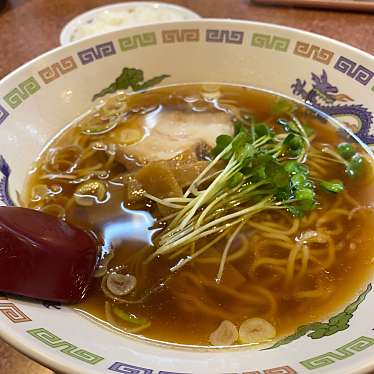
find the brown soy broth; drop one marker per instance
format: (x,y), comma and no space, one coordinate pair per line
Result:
(130,230)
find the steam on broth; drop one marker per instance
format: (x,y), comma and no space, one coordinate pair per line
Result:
(204,241)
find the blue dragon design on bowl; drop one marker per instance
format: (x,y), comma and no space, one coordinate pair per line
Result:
(324,96)
(4,183)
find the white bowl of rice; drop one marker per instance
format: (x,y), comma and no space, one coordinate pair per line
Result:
(123,15)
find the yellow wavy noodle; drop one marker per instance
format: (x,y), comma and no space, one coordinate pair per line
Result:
(331,223)
(295,259)
(277,263)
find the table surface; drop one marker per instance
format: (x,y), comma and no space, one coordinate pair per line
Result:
(31,27)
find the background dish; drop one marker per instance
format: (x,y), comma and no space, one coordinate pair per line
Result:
(167,12)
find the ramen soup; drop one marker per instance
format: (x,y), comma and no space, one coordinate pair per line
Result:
(225,215)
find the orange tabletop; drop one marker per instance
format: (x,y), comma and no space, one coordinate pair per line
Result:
(31,27)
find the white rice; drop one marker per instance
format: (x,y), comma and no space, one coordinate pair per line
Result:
(113,20)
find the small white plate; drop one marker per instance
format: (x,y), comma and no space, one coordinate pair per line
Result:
(71,27)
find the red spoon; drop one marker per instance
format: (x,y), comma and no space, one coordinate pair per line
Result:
(44,257)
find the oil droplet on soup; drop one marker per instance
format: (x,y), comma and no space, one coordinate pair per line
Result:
(121,172)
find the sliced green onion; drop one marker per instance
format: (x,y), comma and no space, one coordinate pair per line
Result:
(256,330)
(129,317)
(90,192)
(96,124)
(225,334)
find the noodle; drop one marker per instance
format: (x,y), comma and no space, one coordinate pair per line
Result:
(233,257)
(200,256)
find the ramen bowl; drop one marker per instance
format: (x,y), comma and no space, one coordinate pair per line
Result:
(40,98)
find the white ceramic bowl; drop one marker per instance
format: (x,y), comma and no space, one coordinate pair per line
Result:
(38,99)
(70,28)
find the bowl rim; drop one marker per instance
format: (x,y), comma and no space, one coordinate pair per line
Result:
(17,339)
(70,27)
(198,20)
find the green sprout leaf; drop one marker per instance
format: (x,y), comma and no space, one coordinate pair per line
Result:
(239,143)
(305,194)
(334,185)
(235,180)
(246,153)
(258,175)
(283,106)
(355,166)
(222,141)
(288,126)
(298,180)
(345,150)
(276,173)
(291,167)
(308,131)
(262,130)
(346,155)
(293,144)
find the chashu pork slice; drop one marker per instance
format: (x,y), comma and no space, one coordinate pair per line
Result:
(173,132)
